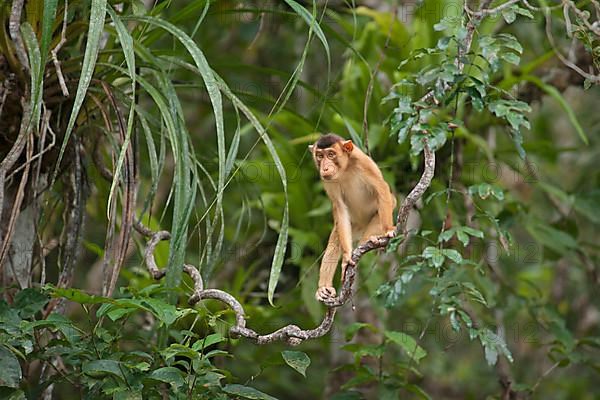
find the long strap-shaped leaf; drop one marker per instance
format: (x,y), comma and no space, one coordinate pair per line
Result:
(171,115)
(97,15)
(127,45)
(212,89)
(35,66)
(281,245)
(312,22)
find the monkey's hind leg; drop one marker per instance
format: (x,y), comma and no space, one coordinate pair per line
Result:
(373,230)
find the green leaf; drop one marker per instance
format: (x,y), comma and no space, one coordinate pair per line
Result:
(170,375)
(588,204)
(29,301)
(96,26)
(127,45)
(210,340)
(435,255)
(491,355)
(128,395)
(407,343)
(523,11)
(511,58)
(446,235)
(77,296)
(179,232)
(454,321)
(463,237)
(509,15)
(474,293)
(297,360)
(453,255)
(115,313)
(280,247)
(47,22)
(484,190)
(100,368)
(247,392)
(551,237)
(10,373)
(165,312)
(556,95)
(62,323)
(493,345)
(517,139)
(35,65)
(472,231)
(355,327)
(312,23)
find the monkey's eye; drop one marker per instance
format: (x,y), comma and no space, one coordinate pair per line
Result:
(331,155)
(319,156)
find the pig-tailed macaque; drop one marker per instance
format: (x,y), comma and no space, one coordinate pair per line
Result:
(362,203)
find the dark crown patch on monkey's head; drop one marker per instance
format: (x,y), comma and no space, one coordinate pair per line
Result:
(328,140)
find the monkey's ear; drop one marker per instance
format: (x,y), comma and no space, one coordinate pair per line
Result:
(310,147)
(348,145)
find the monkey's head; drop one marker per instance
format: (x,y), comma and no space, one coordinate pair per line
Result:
(332,155)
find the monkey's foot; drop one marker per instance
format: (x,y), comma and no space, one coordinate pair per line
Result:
(325,294)
(388,234)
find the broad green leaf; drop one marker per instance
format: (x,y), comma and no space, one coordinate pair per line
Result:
(170,375)
(209,340)
(509,15)
(10,373)
(29,301)
(100,368)
(246,392)
(58,321)
(453,255)
(355,327)
(297,360)
(493,345)
(165,312)
(463,237)
(115,313)
(128,395)
(77,296)
(407,343)
(435,255)
(510,57)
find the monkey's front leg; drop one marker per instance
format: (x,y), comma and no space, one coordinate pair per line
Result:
(326,291)
(340,240)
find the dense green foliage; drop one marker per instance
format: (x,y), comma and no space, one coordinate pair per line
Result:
(202,112)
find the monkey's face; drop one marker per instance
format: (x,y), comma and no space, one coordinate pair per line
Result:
(332,161)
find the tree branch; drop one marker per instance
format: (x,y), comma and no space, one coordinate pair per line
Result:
(291,334)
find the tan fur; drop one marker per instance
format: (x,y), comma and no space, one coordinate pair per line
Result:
(362,205)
